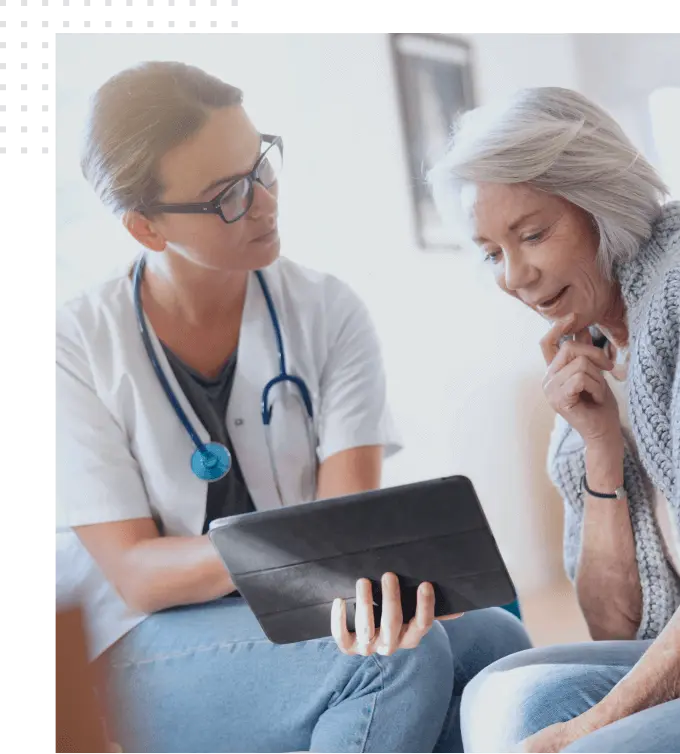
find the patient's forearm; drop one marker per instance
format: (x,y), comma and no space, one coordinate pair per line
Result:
(607,579)
(653,680)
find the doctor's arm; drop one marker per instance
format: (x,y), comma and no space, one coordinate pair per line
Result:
(354,424)
(102,498)
(154,573)
(349,471)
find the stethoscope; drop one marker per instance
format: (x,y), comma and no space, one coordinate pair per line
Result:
(212,461)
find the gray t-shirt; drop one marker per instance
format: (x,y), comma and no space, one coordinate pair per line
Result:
(209,397)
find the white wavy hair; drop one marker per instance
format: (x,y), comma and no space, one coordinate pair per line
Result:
(558,141)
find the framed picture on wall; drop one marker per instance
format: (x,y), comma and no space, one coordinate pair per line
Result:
(435,84)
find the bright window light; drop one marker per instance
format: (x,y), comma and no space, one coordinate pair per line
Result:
(664,106)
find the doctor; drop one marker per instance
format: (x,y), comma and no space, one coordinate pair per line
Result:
(215,379)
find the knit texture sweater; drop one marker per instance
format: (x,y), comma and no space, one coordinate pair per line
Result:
(650,285)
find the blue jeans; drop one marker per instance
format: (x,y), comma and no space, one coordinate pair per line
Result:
(206,678)
(520,695)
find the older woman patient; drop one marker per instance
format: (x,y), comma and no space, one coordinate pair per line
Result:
(570,218)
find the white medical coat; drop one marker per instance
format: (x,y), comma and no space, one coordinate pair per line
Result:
(122,452)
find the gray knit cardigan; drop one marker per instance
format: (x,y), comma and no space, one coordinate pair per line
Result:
(650,285)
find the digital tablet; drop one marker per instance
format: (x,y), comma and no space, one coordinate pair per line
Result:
(290,564)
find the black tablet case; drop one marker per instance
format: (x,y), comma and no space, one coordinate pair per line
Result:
(289,564)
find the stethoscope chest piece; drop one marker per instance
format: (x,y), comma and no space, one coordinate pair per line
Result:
(211,462)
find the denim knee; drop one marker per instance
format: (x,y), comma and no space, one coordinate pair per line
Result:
(517,696)
(503,633)
(507,702)
(417,687)
(480,638)
(430,665)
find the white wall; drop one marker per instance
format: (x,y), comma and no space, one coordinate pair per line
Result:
(620,71)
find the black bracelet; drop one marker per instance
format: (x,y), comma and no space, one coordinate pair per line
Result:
(619,492)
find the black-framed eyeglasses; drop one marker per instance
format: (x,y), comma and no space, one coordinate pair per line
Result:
(236,198)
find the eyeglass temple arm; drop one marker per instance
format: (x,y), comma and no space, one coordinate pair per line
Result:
(185,209)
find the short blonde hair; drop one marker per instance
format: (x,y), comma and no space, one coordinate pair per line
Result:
(558,141)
